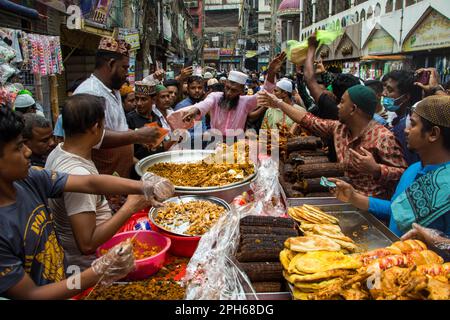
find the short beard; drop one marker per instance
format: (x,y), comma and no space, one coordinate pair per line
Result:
(195,100)
(228,104)
(116,82)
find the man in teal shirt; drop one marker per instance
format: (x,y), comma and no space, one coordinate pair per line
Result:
(423,193)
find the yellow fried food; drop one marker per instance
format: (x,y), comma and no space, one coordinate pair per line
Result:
(284,258)
(312,243)
(319,276)
(291,267)
(315,286)
(316,261)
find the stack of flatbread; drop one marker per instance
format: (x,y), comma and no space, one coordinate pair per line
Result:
(312,271)
(315,222)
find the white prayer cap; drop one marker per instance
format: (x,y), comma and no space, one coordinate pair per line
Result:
(238,77)
(208,75)
(223,78)
(212,81)
(24,101)
(285,84)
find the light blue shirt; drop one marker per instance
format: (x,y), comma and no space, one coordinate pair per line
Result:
(382,208)
(58,130)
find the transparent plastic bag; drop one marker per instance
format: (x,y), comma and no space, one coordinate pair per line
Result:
(269,196)
(213,273)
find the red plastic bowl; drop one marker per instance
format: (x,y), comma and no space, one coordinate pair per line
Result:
(144,267)
(181,246)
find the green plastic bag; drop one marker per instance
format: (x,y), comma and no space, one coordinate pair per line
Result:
(296,51)
(328,35)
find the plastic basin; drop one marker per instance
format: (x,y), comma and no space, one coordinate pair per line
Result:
(181,246)
(144,267)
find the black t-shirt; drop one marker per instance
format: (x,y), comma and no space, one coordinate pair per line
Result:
(136,121)
(28,242)
(327,107)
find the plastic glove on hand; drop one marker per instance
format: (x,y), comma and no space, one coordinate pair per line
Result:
(115,264)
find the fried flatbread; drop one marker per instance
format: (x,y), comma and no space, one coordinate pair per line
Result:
(320,276)
(331,231)
(315,286)
(317,261)
(291,267)
(314,211)
(349,246)
(284,258)
(313,243)
(300,295)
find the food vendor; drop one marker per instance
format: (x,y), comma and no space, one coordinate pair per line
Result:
(84,221)
(111,70)
(229,110)
(423,193)
(32,264)
(371,155)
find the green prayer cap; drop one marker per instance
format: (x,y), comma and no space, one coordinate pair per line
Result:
(364,98)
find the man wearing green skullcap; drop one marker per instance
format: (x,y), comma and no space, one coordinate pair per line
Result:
(423,194)
(372,158)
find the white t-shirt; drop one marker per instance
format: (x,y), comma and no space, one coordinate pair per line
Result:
(74,203)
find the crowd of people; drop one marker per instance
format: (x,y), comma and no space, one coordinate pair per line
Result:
(392,135)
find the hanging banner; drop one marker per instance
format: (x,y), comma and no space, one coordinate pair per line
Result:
(433,32)
(211,54)
(132,68)
(380,43)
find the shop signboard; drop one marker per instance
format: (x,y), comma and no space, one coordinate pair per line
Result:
(226,52)
(381,42)
(211,54)
(433,32)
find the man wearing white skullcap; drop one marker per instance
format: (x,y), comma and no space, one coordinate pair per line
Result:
(274,117)
(229,109)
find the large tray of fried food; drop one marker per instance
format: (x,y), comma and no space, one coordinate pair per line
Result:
(320,231)
(189,215)
(203,174)
(406,270)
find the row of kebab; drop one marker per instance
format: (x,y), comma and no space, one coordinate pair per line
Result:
(305,252)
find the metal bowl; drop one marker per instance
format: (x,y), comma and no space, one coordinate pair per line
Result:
(185,199)
(226,192)
(185,156)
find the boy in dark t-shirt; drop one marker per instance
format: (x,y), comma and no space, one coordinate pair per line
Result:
(31,258)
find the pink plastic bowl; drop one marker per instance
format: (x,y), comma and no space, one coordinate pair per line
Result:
(144,267)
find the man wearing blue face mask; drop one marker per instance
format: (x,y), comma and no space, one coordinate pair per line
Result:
(399,95)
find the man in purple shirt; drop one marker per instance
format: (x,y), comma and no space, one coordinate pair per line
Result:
(229,109)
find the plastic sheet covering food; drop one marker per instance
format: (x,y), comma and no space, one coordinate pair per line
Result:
(296,51)
(212,273)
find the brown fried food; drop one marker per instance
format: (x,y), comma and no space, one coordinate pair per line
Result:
(198,216)
(202,174)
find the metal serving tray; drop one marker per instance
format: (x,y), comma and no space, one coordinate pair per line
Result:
(366,230)
(185,199)
(186,156)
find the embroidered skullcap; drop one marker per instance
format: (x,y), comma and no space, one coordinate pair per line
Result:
(435,109)
(113,45)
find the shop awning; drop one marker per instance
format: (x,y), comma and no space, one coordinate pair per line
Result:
(19,9)
(387,57)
